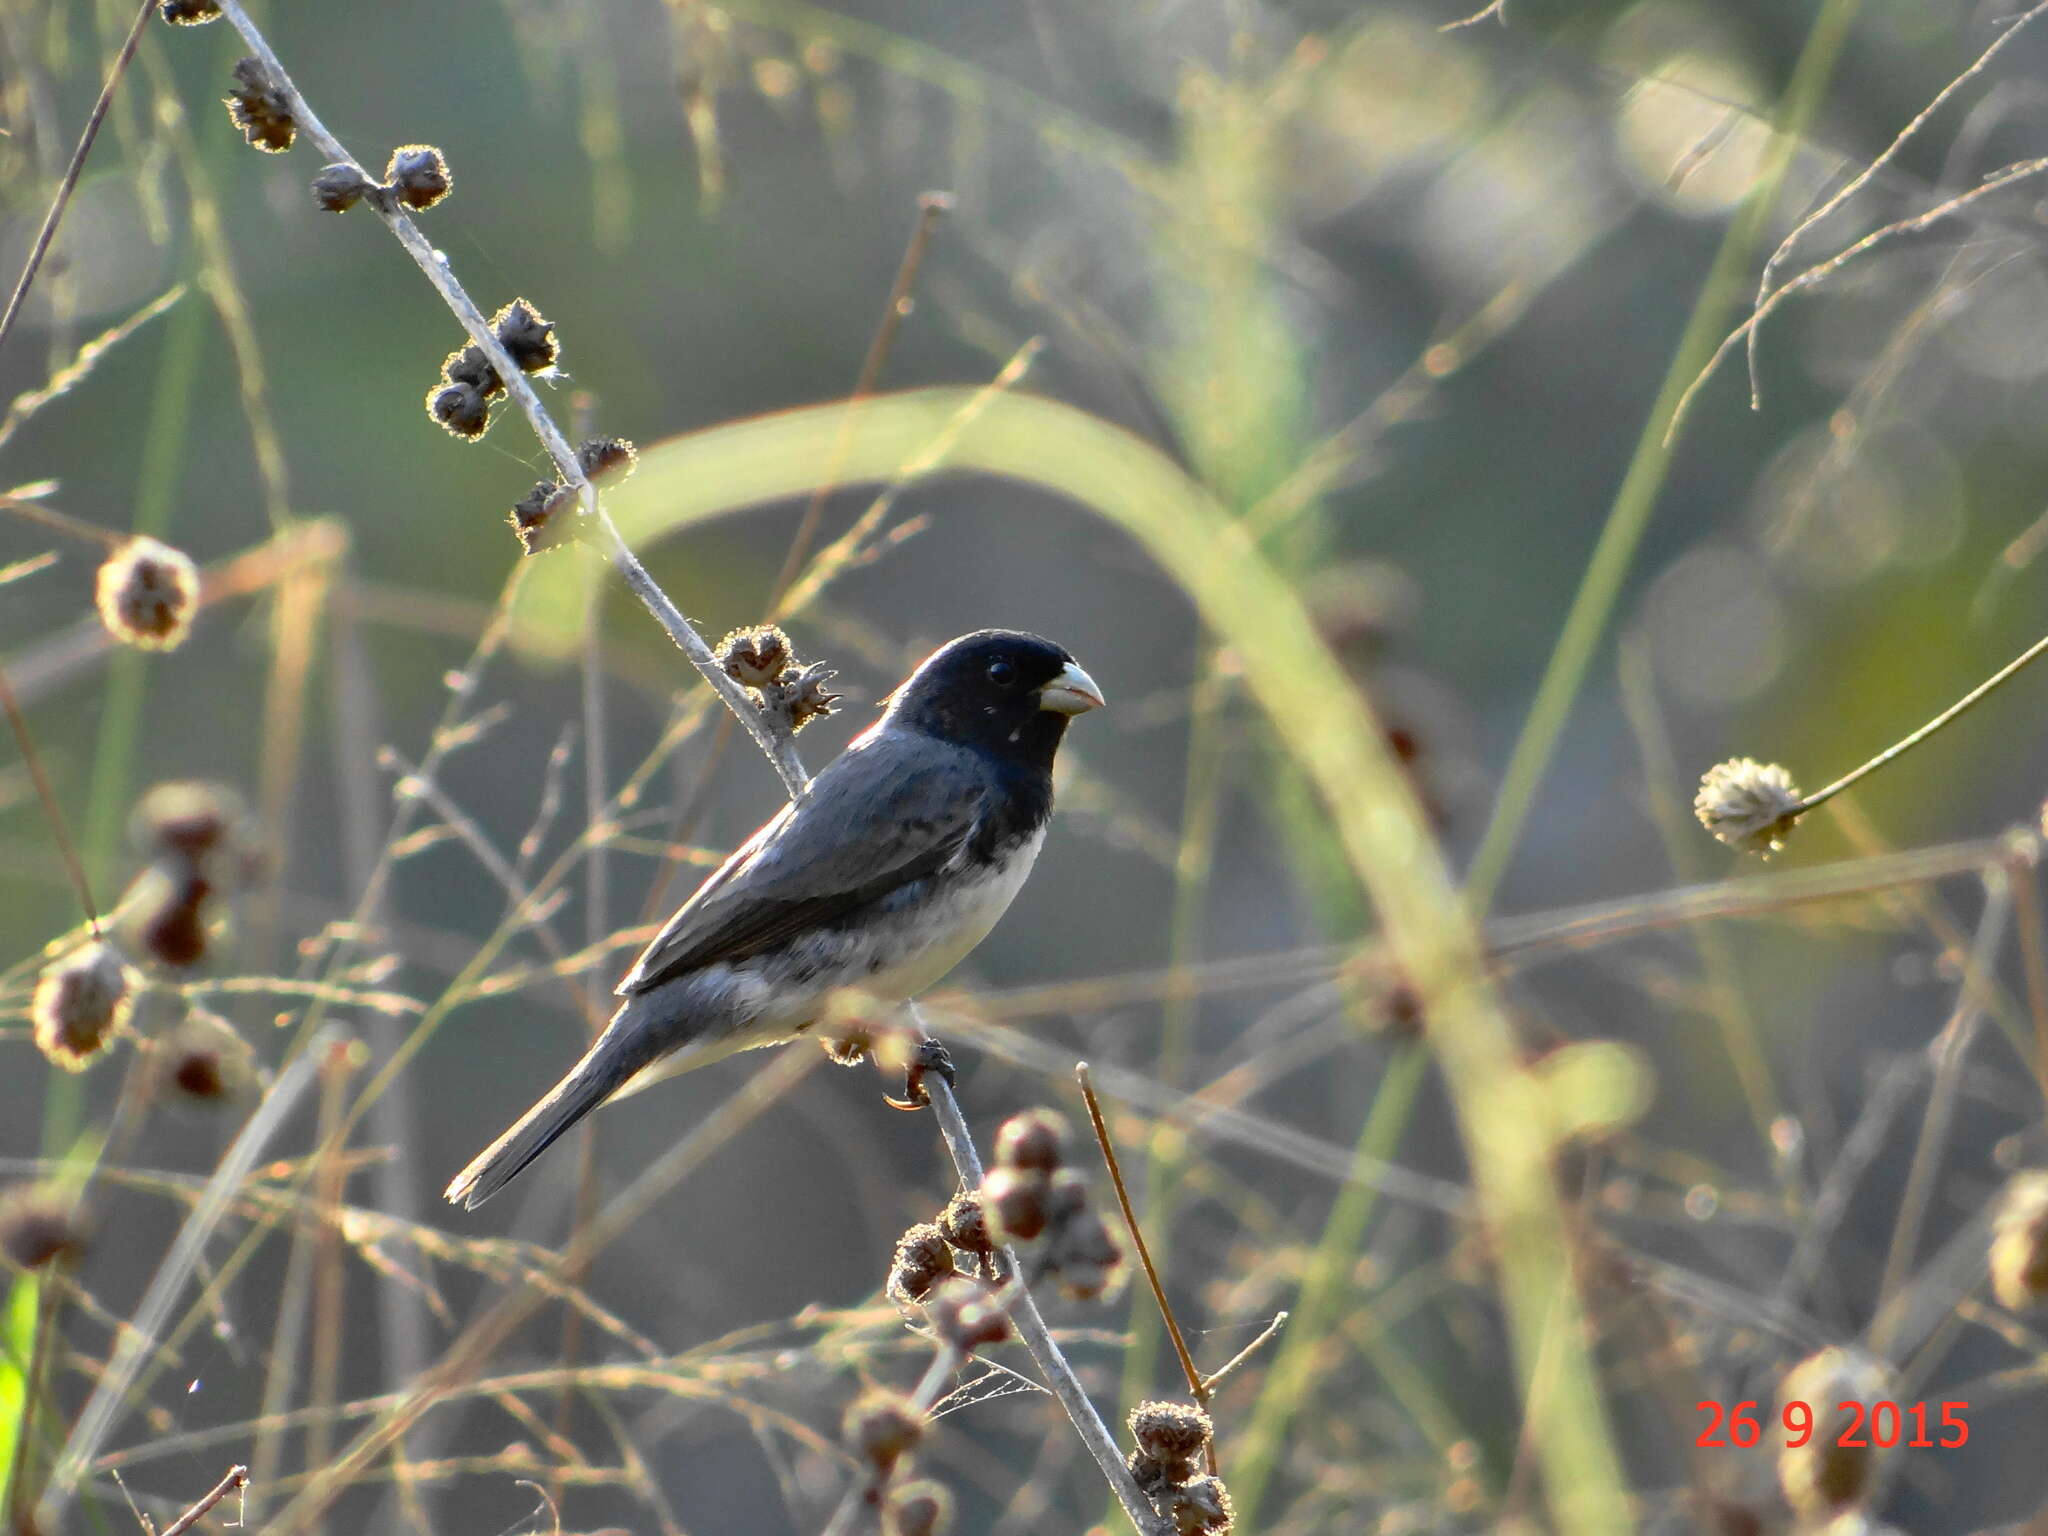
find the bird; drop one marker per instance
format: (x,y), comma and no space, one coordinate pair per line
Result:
(882,875)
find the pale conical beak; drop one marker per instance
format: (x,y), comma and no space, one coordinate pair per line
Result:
(1073,692)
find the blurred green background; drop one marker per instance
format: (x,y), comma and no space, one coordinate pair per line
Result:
(1400,296)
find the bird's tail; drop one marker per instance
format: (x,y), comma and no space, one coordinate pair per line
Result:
(604,1069)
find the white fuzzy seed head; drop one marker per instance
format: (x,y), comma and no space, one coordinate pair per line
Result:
(1748,805)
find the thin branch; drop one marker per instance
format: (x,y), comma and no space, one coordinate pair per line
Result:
(776,746)
(237,1478)
(58,830)
(1031,1328)
(69,184)
(1123,1200)
(1266,1335)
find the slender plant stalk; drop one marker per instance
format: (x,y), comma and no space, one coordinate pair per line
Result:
(1197,1387)
(238,1477)
(69,184)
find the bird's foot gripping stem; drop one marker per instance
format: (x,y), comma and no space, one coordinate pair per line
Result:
(929,1056)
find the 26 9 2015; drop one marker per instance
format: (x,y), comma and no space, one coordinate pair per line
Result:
(1880,1426)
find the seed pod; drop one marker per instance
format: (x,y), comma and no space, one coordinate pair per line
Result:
(1170,1432)
(922,1260)
(607,460)
(39,1226)
(1035,1139)
(922,1508)
(459,409)
(756,656)
(468,365)
(883,1428)
(168,914)
(965,1316)
(417,176)
(186,819)
(2019,1244)
(1199,1507)
(526,337)
(81,1003)
(203,1062)
(965,1225)
(339,188)
(1013,1201)
(261,109)
(188,13)
(1822,1477)
(146,593)
(1747,804)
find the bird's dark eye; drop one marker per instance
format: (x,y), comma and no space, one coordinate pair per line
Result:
(1001,673)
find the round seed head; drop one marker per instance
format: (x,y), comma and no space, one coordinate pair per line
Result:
(185,819)
(146,593)
(965,1316)
(1747,804)
(339,188)
(966,1225)
(1013,1202)
(468,365)
(168,917)
(922,1508)
(803,696)
(1035,1139)
(259,107)
(883,1428)
(460,409)
(756,656)
(526,336)
(39,1226)
(417,176)
(81,1003)
(1822,1477)
(1198,1507)
(203,1062)
(2019,1243)
(1170,1432)
(546,517)
(607,460)
(922,1260)
(1085,1256)
(188,13)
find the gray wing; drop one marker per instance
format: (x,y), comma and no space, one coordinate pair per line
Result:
(888,811)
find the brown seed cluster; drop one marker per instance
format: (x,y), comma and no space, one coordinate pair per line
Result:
(1172,1440)
(202,1062)
(1030,1196)
(789,691)
(884,1430)
(261,107)
(461,401)
(147,593)
(39,1226)
(81,1003)
(195,840)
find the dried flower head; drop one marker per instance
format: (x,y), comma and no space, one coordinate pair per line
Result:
(147,593)
(1170,1433)
(803,696)
(965,1225)
(460,409)
(755,656)
(1013,1203)
(1085,1255)
(1823,1477)
(922,1260)
(526,336)
(921,1508)
(468,365)
(607,460)
(546,517)
(1035,1139)
(166,914)
(883,1428)
(261,108)
(965,1316)
(203,1062)
(417,176)
(186,819)
(340,187)
(1747,804)
(2019,1244)
(39,1226)
(1198,1507)
(188,13)
(81,1003)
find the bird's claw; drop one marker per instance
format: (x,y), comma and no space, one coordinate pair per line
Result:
(930,1056)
